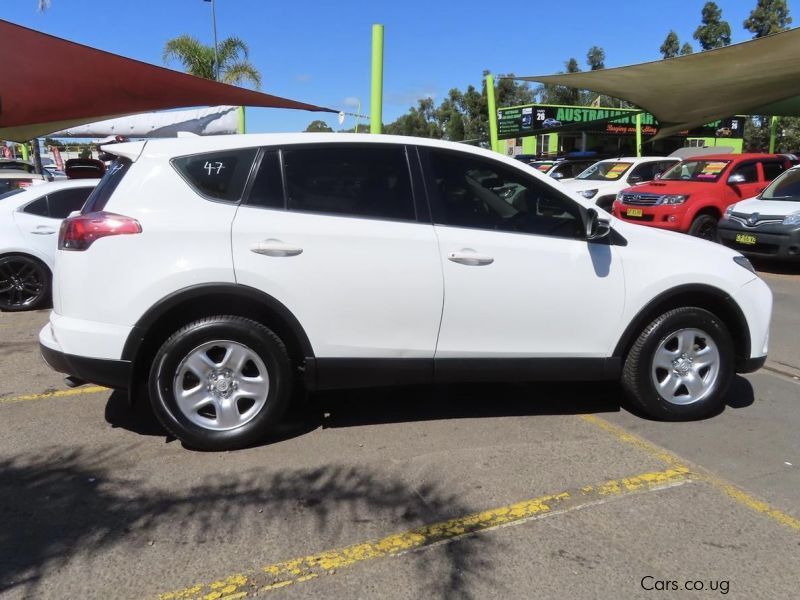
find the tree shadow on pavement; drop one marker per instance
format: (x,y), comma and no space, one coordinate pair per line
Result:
(72,505)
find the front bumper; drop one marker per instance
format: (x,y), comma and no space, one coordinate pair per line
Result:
(100,371)
(668,216)
(772,241)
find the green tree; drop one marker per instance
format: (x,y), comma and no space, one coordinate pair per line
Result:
(671,45)
(198,59)
(319,126)
(686,49)
(713,32)
(768,17)
(595,58)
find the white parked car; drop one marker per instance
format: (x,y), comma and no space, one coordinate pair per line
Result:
(215,274)
(605,179)
(767,226)
(29,222)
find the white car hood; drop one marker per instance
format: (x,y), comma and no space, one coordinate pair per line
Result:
(578,185)
(767,207)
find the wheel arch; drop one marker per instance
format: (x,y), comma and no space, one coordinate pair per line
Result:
(186,305)
(707,297)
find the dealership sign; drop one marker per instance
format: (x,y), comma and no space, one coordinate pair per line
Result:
(537,119)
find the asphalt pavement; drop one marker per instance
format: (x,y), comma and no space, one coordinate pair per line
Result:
(519,491)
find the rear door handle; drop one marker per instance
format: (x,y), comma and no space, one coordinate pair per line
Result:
(470,257)
(273,247)
(43,230)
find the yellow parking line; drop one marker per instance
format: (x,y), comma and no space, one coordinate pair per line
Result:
(91,389)
(675,461)
(302,569)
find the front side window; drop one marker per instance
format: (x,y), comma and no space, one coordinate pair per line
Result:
(697,170)
(370,181)
(476,193)
(785,188)
(217,175)
(746,173)
(605,171)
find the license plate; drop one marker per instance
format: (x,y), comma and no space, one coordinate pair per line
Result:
(744,238)
(634,212)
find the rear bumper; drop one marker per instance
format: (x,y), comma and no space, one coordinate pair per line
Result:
(109,373)
(101,371)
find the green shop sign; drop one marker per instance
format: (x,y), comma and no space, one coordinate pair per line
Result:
(537,119)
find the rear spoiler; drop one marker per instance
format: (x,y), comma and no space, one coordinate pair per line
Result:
(130,150)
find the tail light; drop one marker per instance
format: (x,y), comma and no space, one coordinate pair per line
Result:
(80,232)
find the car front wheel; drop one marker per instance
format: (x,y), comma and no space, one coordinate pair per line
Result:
(221,383)
(680,366)
(705,227)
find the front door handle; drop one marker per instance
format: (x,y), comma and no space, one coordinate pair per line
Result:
(470,257)
(43,230)
(273,247)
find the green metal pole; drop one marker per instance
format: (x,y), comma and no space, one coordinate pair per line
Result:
(638,134)
(490,101)
(241,128)
(376,98)
(24,149)
(773,133)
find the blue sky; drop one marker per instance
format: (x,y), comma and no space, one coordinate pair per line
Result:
(319,51)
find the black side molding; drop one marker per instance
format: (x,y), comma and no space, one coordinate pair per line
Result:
(342,373)
(109,373)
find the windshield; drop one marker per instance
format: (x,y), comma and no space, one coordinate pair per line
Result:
(543,166)
(605,171)
(696,170)
(786,187)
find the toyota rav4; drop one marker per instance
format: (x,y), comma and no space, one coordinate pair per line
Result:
(213,276)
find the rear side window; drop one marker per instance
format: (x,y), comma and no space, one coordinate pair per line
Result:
(38,207)
(60,204)
(772,169)
(217,175)
(99,197)
(366,181)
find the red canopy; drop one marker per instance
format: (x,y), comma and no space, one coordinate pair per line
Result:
(48,84)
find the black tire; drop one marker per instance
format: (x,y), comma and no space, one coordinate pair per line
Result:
(705,226)
(638,371)
(237,330)
(25,283)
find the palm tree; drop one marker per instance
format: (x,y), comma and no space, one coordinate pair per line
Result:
(44,5)
(198,59)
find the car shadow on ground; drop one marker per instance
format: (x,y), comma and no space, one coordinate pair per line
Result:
(359,407)
(89,506)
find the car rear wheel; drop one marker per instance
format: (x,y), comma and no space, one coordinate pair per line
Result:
(704,226)
(221,383)
(24,283)
(681,365)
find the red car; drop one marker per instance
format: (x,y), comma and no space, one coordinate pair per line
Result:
(692,196)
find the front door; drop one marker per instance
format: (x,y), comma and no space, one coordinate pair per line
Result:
(520,279)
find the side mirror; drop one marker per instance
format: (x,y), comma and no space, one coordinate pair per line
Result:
(736,178)
(557,175)
(657,175)
(596,228)
(634,179)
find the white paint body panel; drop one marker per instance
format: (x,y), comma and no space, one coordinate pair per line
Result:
(372,288)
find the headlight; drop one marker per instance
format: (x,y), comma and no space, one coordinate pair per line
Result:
(743,262)
(729,210)
(673,199)
(588,193)
(792,219)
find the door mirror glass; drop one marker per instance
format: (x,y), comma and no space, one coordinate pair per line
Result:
(557,175)
(596,228)
(657,176)
(634,179)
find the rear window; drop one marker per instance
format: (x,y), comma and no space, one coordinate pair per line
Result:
(11,193)
(217,175)
(7,185)
(98,199)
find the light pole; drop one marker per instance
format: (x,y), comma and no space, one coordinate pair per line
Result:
(214,25)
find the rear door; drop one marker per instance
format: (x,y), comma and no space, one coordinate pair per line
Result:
(333,231)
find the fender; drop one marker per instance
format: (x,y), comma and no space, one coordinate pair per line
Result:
(648,312)
(153,314)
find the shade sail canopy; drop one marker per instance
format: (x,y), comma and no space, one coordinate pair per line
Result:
(759,77)
(90,85)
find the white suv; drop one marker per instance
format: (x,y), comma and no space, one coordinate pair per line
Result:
(214,275)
